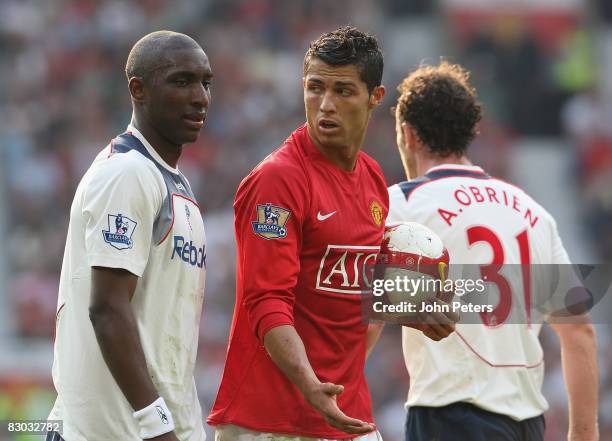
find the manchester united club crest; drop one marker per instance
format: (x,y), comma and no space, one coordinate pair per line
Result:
(271,220)
(377,213)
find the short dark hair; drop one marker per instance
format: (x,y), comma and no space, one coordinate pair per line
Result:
(150,52)
(441,105)
(349,45)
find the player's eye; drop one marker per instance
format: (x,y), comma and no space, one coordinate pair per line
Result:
(345,92)
(181,82)
(315,88)
(206,84)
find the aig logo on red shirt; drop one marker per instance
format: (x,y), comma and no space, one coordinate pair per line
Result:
(343,268)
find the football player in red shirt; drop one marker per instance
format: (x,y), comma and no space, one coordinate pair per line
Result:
(307,220)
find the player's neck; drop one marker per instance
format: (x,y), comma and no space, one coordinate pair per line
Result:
(426,162)
(168,151)
(343,157)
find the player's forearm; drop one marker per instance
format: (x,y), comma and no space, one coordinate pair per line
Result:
(288,353)
(372,336)
(117,335)
(579,357)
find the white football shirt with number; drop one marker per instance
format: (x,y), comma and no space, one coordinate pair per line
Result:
(498,366)
(133,211)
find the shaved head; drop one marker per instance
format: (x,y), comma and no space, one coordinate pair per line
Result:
(169,79)
(153,51)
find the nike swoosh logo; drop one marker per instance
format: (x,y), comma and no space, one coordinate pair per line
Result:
(322,217)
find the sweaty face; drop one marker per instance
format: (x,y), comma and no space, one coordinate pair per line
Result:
(337,104)
(179,95)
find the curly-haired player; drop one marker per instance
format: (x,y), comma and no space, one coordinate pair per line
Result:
(484,381)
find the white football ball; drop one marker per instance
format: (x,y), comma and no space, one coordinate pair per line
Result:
(413,238)
(413,257)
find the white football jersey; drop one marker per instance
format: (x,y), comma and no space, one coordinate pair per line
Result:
(133,211)
(497,366)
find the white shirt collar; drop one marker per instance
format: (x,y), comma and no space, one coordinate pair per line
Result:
(473,168)
(134,131)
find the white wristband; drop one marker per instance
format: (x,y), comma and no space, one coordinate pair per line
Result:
(155,419)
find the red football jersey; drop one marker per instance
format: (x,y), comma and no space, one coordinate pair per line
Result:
(304,230)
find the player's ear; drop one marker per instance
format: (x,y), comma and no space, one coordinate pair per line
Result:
(376,96)
(405,130)
(137,89)
(409,135)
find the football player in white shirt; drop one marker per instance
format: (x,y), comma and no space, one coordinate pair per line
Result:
(484,381)
(132,281)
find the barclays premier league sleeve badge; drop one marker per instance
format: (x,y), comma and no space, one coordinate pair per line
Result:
(120,230)
(271,220)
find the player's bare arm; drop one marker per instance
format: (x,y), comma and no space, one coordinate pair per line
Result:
(287,350)
(579,359)
(374,331)
(117,334)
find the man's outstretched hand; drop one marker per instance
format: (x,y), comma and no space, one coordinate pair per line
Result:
(322,397)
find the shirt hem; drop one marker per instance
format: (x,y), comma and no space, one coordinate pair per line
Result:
(287,431)
(515,417)
(113,262)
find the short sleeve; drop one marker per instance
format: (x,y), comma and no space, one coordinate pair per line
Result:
(270,207)
(119,206)
(563,289)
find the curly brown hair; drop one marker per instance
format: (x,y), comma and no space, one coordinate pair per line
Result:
(440,104)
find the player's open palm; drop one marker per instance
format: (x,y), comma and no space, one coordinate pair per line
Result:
(170,436)
(323,398)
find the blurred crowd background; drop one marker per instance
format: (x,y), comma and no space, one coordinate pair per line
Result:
(543,70)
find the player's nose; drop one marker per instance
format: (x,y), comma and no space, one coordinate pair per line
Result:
(200,96)
(327,103)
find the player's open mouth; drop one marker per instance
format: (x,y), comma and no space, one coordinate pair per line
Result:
(328,126)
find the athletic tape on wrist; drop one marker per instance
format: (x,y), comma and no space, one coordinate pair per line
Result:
(155,419)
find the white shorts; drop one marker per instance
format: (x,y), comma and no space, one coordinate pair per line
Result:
(231,432)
